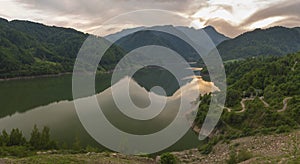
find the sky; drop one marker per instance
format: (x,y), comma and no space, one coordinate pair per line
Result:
(230,17)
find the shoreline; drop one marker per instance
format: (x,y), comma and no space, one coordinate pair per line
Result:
(33,77)
(41,76)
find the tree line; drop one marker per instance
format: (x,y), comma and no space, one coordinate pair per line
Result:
(39,140)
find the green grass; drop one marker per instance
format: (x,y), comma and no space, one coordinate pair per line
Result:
(77,158)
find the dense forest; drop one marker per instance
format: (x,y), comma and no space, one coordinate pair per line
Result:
(28,48)
(262,83)
(17,145)
(276,41)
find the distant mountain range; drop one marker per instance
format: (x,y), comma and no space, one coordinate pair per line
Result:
(276,41)
(215,36)
(170,37)
(28,48)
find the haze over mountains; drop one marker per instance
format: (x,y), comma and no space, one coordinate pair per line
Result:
(28,48)
(215,36)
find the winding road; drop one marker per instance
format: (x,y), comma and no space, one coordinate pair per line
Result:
(285,103)
(293,68)
(196,129)
(284,108)
(243,104)
(263,101)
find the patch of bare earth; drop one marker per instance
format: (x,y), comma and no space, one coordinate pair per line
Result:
(262,148)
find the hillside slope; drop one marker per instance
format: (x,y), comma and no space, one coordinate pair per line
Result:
(28,48)
(167,36)
(278,148)
(215,36)
(263,97)
(276,41)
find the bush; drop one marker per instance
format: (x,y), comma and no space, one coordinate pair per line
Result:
(168,158)
(91,149)
(241,156)
(16,151)
(206,149)
(283,129)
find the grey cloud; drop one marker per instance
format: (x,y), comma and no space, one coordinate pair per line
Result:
(83,15)
(104,7)
(292,21)
(225,27)
(285,8)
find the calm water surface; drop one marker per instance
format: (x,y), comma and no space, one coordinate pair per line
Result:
(48,102)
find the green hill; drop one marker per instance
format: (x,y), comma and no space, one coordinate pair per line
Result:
(158,35)
(263,85)
(28,48)
(276,41)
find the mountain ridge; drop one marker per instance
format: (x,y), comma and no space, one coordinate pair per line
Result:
(275,41)
(216,37)
(29,48)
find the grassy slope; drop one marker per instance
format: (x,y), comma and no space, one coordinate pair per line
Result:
(255,149)
(79,158)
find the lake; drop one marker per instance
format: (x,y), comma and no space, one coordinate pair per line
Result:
(48,102)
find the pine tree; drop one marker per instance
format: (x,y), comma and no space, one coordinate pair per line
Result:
(41,140)
(35,139)
(1,140)
(16,138)
(45,138)
(5,138)
(76,145)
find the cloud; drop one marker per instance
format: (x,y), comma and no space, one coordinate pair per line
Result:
(284,8)
(105,8)
(235,17)
(292,21)
(230,17)
(225,27)
(84,15)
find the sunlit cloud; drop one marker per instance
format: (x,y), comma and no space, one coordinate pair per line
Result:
(230,17)
(266,22)
(197,24)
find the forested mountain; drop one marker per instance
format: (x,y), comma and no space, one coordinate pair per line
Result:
(263,85)
(28,48)
(131,39)
(148,37)
(276,41)
(214,35)
(272,77)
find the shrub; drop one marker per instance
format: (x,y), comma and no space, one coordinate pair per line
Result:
(91,149)
(168,158)
(283,129)
(241,156)
(16,151)
(206,149)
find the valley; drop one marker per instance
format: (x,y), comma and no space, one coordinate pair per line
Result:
(260,119)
